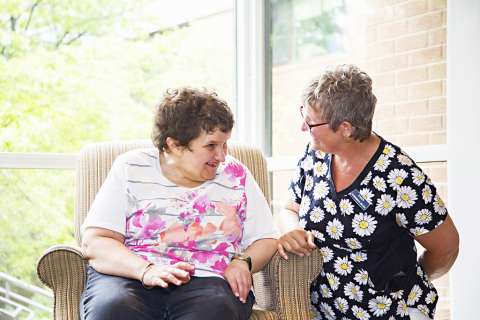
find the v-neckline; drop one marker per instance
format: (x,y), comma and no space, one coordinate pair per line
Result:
(338,194)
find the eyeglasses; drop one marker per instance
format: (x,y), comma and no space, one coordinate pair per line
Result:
(310,126)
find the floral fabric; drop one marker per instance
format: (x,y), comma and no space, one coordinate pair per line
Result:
(366,235)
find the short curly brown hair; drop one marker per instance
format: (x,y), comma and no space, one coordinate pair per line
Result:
(184,112)
(344,93)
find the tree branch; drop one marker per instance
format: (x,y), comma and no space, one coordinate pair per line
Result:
(78,36)
(13,23)
(59,41)
(30,14)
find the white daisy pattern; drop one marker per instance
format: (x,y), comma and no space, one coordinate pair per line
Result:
(367,179)
(341,304)
(317,234)
(320,169)
(431,297)
(335,229)
(380,305)
(358,256)
(414,295)
(385,204)
(402,198)
(327,311)
(353,243)
(401,220)
(439,205)
(363,224)
(346,207)
(367,195)
(308,163)
(396,177)
(402,308)
(321,190)
(317,215)
(418,176)
(382,163)
(343,266)
(389,150)
(353,292)
(330,206)
(325,290)
(308,183)
(406,197)
(405,160)
(360,313)
(427,194)
(361,277)
(379,184)
(333,281)
(423,216)
(304,206)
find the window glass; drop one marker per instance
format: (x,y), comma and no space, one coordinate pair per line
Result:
(77,72)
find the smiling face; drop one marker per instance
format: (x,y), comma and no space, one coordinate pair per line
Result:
(199,162)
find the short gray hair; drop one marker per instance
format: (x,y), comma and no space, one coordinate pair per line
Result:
(343,93)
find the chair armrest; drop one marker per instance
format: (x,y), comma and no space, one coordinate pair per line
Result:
(63,269)
(284,285)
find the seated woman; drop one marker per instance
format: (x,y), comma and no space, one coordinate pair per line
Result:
(176,231)
(364,203)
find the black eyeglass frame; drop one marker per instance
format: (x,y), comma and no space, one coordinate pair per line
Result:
(310,126)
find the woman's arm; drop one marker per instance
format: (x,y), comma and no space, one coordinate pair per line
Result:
(294,239)
(107,254)
(237,274)
(441,249)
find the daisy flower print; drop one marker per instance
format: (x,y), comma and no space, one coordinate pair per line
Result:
(321,190)
(396,178)
(320,169)
(379,184)
(385,204)
(382,163)
(406,197)
(363,224)
(379,305)
(343,266)
(427,194)
(335,229)
(346,207)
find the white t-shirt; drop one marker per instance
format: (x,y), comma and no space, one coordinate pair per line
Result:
(165,223)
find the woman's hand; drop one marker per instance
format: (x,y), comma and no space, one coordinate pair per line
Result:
(162,275)
(239,278)
(298,241)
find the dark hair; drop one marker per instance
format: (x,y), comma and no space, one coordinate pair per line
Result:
(344,94)
(184,112)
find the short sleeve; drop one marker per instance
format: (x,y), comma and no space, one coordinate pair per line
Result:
(259,220)
(421,208)
(109,208)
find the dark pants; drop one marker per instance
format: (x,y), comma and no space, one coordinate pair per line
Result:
(111,297)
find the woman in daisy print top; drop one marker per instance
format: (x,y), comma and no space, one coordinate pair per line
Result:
(363,202)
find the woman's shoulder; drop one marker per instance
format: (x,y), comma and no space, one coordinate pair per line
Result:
(138,157)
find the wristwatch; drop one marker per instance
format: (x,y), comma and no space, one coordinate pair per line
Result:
(245,258)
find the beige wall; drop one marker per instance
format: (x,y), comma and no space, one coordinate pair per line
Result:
(402,45)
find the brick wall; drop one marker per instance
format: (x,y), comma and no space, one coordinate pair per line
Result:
(402,45)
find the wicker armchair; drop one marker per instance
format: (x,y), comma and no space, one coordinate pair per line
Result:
(281,289)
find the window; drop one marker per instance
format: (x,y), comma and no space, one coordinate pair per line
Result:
(80,72)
